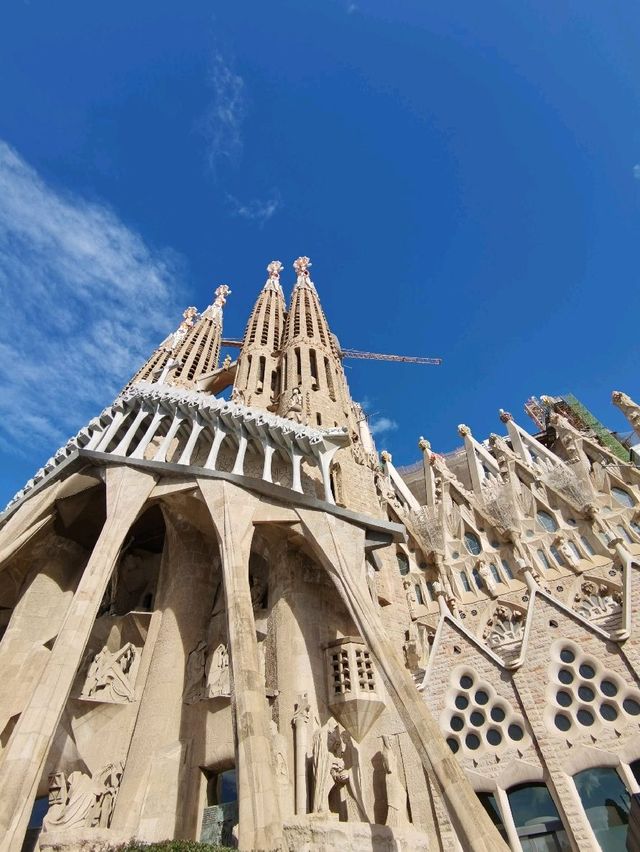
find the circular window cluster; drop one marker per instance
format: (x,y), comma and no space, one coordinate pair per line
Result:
(585,694)
(476,718)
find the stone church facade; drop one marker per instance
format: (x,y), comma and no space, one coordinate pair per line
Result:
(225,617)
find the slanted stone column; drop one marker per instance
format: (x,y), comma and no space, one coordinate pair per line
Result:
(260,827)
(158,798)
(24,759)
(340,549)
(55,568)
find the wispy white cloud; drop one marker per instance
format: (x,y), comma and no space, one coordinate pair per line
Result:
(380,425)
(84,299)
(255,210)
(227,112)
(636,171)
(224,131)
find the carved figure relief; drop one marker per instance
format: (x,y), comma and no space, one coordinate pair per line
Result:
(237,396)
(595,600)
(396,793)
(336,771)
(194,680)
(207,675)
(505,626)
(81,801)
(111,675)
(294,407)
(218,682)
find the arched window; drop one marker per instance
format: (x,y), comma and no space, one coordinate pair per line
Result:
(574,549)
(464,580)
(403,563)
(623,497)
(495,573)
(623,532)
(472,542)
(542,557)
(419,595)
(536,818)
(546,520)
(587,545)
(605,800)
(556,555)
(477,578)
(488,802)
(507,569)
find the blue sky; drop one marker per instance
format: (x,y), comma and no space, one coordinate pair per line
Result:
(465,177)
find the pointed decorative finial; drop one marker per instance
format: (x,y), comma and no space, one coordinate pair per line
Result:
(385,456)
(221,294)
(463,430)
(423,444)
(189,315)
(301,266)
(274,269)
(505,416)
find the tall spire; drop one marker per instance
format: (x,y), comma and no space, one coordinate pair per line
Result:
(310,360)
(192,350)
(257,378)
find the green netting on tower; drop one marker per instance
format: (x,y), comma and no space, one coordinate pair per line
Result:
(601,431)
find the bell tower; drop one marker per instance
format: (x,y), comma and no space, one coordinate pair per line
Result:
(192,350)
(312,375)
(258,374)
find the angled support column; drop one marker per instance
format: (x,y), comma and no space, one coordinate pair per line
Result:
(24,758)
(339,547)
(260,826)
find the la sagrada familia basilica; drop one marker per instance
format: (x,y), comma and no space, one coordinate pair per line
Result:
(225,617)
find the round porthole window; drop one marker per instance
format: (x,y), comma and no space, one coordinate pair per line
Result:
(562,722)
(472,543)
(472,741)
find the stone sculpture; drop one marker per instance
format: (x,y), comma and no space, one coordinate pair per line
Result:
(82,801)
(336,769)
(629,408)
(110,675)
(194,679)
(218,681)
(294,407)
(396,794)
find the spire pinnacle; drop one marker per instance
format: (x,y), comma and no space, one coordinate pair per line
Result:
(190,316)
(221,294)
(273,281)
(301,266)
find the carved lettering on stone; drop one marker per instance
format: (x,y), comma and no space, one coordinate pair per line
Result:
(111,675)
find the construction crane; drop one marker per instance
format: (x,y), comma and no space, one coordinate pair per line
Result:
(370,356)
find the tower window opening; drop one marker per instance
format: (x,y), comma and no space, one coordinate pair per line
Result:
(296,318)
(327,369)
(274,383)
(320,324)
(318,418)
(313,366)
(262,366)
(254,327)
(285,381)
(264,338)
(307,315)
(298,367)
